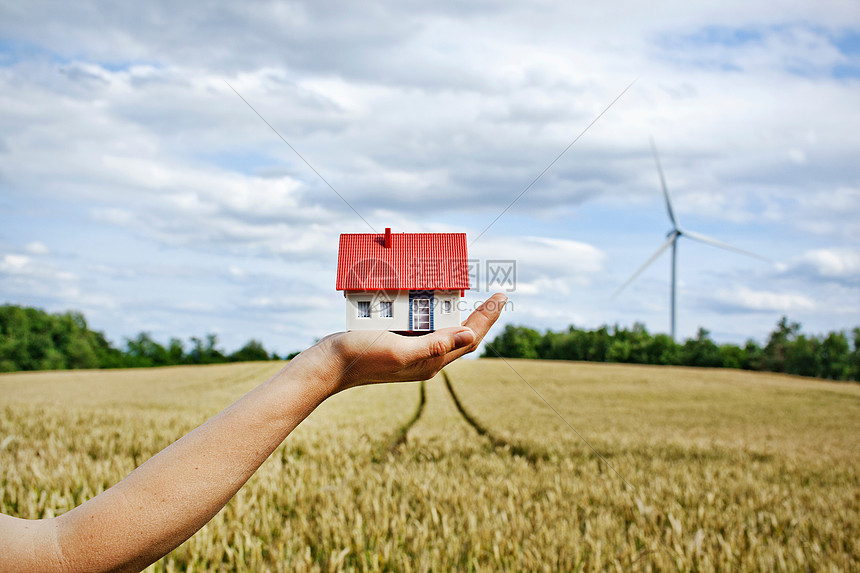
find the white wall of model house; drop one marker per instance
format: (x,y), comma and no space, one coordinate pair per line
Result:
(442,305)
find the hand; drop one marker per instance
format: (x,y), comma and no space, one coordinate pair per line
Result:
(372,356)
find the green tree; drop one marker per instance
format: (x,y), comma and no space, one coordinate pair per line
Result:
(206,352)
(701,351)
(175,351)
(802,356)
(663,350)
(14,329)
(753,356)
(81,354)
(514,342)
(143,351)
(252,351)
(630,346)
(835,357)
(854,372)
(732,356)
(598,342)
(777,348)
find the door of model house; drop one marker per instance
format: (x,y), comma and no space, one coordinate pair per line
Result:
(422,307)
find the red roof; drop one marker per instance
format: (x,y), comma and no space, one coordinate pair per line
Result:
(413,261)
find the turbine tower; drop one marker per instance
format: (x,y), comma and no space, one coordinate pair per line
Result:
(672,241)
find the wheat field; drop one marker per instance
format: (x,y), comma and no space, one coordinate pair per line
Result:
(695,470)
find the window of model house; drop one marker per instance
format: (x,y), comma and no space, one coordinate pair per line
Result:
(446,306)
(364,309)
(385,309)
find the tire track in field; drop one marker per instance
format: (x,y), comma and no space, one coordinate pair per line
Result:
(401,433)
(499,443)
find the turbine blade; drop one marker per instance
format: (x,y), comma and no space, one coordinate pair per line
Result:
(659,252)
(663,185)
(708,240)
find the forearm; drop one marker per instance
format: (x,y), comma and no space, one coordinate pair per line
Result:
(167,499)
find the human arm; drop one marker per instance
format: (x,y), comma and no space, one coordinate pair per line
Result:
(168,498)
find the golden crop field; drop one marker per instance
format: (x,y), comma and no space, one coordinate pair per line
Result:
(727,470)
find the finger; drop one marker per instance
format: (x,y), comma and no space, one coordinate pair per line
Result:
(440,343)
(485,315)
(480,322)
(452,343)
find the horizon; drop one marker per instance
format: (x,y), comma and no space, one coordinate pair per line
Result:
(480,350)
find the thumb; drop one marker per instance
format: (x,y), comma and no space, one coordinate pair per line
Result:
(444,341)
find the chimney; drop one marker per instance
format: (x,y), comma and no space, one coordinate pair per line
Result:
(387,237)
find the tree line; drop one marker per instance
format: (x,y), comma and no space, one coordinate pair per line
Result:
(32,339)
(834,356)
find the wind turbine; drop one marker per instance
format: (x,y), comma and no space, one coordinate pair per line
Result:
(672,241)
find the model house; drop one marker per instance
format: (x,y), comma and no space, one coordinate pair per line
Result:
(409,282)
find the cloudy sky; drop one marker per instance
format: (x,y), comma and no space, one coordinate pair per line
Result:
(138,188)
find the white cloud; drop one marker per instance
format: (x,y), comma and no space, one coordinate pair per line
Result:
(194,306)
(236,272)
(758,300)
(23,278)
(541,256)
(797,155)
(36,248)
(120,133)
(114,216)
(24,267)
(543,286)
(832,263)
(830,212)
(14,263)
(289,303)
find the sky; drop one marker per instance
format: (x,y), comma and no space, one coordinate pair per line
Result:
(137,187)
